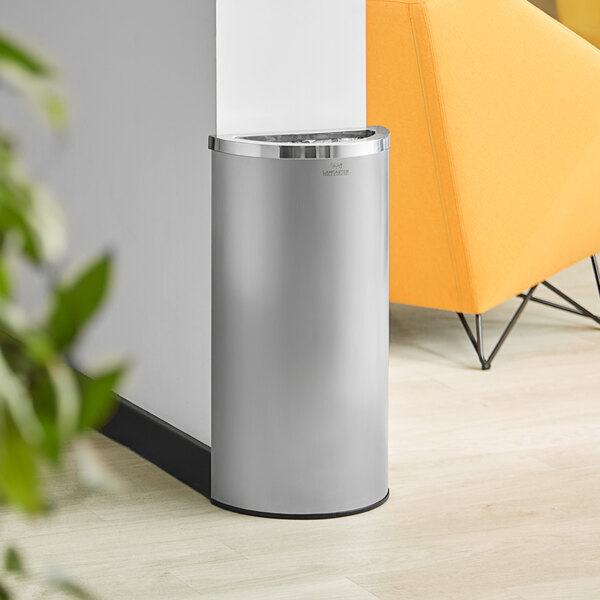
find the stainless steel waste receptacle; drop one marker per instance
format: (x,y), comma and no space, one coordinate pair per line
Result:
(300,322)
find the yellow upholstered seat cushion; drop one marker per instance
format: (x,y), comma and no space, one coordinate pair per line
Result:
(494,110)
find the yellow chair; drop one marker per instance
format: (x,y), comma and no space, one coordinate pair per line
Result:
(582,16)
(494,109)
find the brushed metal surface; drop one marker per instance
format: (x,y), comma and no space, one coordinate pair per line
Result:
(299,333)
(321,144)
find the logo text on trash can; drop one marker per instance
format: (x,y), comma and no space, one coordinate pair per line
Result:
(336,170)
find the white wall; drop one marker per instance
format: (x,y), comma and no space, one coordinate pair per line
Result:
(134,176)
(134,171)
(290,65)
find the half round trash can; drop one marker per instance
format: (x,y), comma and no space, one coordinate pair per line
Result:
(300,322)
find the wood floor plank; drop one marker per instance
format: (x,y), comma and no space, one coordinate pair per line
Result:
(494,477)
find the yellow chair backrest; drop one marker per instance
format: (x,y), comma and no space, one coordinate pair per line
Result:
(494,110)
(582,16)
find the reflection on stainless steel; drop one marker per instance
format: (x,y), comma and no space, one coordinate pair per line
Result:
(320,144)
(322,137)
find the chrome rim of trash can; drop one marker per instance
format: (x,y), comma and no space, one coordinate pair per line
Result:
(317,144)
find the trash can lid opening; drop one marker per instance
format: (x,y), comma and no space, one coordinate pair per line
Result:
(323,137)
(319,144)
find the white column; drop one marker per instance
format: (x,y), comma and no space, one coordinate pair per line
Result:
(290,65)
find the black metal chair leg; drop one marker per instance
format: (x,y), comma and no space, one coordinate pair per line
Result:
(477,339)
(584,312)
(596,271)
(572,307)
(485,365)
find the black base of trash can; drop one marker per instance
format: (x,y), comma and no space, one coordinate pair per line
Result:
(267,515)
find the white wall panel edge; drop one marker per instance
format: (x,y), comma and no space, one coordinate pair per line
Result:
(290,65)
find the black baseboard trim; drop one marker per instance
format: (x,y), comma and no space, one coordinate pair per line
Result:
(184,457)
(303,517)
(174,451)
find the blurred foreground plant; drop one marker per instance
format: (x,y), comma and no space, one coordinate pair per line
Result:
(45,404)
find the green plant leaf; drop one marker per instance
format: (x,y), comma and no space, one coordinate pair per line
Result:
(17,54)
(18,403)
(98,400)
(35,79)
(76,302)
(29,214)
(42,392)
(14,206)
(12,561)
(68,586)
(39,347)
(53,106)
(43,93)
(66,393)
(93,472)
(6,282)
(4,593)
(46,221)
(19,480)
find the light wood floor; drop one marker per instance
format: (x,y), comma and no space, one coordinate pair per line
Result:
(495,489)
